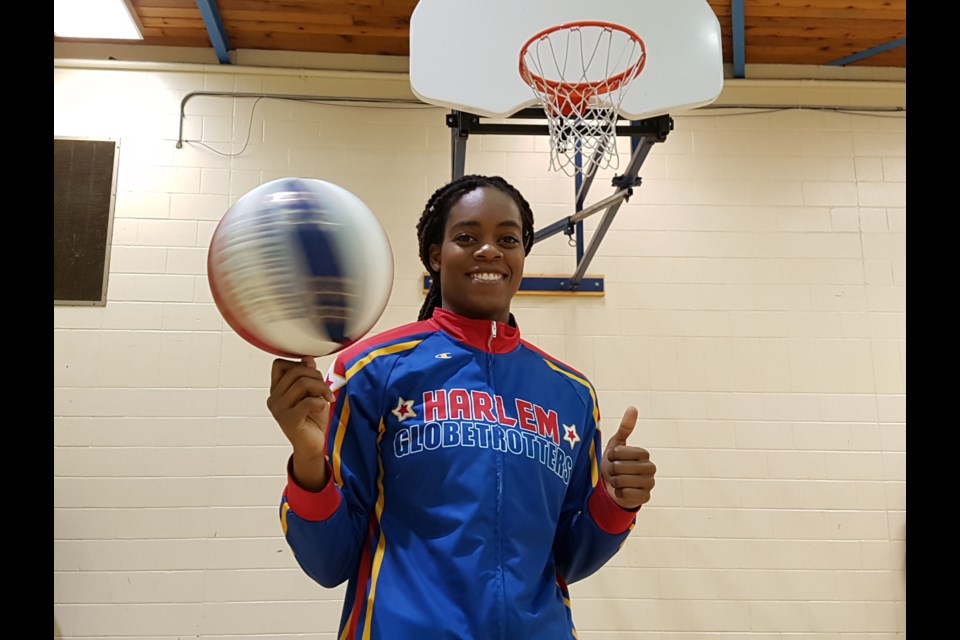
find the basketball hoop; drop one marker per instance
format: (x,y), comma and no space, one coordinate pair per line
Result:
(579,73)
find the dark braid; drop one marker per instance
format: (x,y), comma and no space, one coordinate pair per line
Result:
(433,221)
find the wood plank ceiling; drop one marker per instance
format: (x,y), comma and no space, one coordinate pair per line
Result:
(861,33)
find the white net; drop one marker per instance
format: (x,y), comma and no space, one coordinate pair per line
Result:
(580,74)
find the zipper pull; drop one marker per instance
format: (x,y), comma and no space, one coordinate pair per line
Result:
(493,334)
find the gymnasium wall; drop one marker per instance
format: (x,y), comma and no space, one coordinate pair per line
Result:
(755,313)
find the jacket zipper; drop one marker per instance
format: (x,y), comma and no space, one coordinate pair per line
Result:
(502,587)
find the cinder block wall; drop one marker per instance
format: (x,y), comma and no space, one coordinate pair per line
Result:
(754,313)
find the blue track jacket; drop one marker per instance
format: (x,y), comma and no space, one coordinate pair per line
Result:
(465,491)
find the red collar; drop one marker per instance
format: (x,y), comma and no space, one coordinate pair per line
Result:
(486,335)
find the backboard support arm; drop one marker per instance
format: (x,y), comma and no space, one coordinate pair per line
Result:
(643,135)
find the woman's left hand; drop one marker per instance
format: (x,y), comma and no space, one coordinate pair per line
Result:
(627,471)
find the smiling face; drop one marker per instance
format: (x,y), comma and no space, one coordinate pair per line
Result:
(480,259)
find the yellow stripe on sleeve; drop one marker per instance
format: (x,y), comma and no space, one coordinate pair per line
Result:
(373,355)
(283,517)
(338,443)
(381,543)
(345,413)
(594,469)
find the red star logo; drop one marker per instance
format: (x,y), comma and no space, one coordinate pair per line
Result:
(404,410)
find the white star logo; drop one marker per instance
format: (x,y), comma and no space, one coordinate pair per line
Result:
(404,410)
(333,380)
(571,434)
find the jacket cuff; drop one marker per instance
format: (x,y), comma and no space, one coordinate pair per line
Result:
(312,505)
(609,516)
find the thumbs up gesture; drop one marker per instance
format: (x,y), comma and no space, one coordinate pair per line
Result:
(627,471)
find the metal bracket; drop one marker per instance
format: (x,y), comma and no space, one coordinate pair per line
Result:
(643,135)
(547,285)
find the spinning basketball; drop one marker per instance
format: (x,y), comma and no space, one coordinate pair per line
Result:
(300,267)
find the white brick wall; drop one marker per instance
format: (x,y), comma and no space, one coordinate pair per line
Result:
(755,314)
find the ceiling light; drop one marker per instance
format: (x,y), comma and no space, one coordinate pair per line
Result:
(100,19)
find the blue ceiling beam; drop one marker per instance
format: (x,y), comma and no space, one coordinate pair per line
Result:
(739,57)
(218,35)
(902,42)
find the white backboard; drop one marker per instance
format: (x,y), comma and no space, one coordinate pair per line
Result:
(464,54)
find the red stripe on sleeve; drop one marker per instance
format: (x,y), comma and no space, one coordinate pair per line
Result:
(608,515)
(363,583)
(309,505)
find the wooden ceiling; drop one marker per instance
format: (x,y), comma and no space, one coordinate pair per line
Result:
(838,33)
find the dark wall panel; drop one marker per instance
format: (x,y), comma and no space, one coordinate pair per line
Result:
(84,189)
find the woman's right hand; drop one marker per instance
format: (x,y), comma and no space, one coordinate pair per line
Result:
(300,403)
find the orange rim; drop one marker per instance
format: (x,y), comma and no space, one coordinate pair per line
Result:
(578,92)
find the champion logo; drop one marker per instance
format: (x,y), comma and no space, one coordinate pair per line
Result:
(443,356)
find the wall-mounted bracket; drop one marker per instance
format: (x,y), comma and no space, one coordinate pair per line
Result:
(643,135)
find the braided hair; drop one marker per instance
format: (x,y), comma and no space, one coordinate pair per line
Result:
(433,221)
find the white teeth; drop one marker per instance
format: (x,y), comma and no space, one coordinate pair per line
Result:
(488,276)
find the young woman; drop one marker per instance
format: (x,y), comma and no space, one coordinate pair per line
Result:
(448,470)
